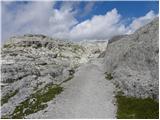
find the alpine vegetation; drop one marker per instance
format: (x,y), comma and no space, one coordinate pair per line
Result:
(80,59)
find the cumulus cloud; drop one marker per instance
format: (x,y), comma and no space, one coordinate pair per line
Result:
(87,8)
(141,21)
(43,18)
(99,27)
(24,18)
(61,22)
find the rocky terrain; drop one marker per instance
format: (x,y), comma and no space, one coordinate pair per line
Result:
(31,63)
(87,95)
(132,61)
(35,68)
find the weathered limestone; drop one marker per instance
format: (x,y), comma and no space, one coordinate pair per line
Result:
(133,62)
(31,62)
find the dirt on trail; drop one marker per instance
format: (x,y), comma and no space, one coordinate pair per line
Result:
(87,95)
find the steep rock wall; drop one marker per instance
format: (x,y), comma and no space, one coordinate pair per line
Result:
(133,62)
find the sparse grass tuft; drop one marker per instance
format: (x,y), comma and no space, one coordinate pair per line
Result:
(8,96)
(7,46)
(108,76)
(36,102)
(136,108)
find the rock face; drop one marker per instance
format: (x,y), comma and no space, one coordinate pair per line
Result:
(31,62)
(133,62)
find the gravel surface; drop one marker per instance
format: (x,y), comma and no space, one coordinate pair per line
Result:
(87,95)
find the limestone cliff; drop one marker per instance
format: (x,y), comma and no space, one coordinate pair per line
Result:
(132,61)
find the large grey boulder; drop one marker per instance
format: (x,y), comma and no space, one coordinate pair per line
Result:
(132,60)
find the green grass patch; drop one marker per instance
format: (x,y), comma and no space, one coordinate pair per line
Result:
(36,102)
(137,108)
(108,76)
(7,46)
(5,98)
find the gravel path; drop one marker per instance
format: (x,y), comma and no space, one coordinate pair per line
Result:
(87,95)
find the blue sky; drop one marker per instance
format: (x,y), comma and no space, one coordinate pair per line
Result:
(128,9)
(90,20)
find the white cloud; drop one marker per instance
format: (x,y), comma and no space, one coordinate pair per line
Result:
(25,18)
(62,21)
(99,27)
(87,8)
(36,17)
(41,18)
(106,26)
(141,21)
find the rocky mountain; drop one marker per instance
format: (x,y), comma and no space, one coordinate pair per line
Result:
(32,64)
(35,67)
(132,61)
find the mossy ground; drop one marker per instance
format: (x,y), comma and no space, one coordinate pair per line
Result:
(5,98)
(36,102)
(7,46)
(136,108)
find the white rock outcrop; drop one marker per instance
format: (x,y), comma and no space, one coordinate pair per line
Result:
(132,60)
(31,62)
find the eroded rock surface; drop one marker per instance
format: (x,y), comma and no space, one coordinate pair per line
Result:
(33,66)
(31,62)
(133,62)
